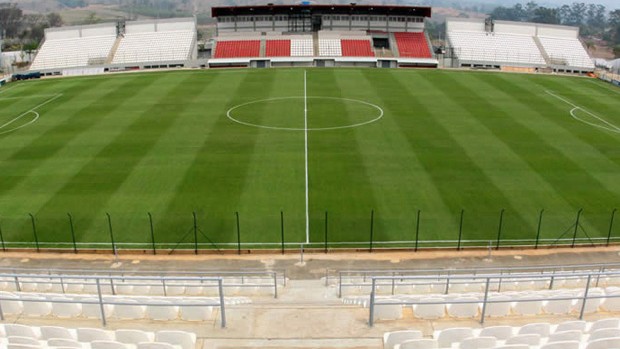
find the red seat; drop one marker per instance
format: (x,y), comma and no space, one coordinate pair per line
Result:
(278,48)
(237,49)
(356,48)
(412,45)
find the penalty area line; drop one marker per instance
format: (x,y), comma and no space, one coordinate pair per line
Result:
(610,127)
(32,110)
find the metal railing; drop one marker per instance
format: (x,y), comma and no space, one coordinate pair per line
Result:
(351,278)
(489,281)
(100,281)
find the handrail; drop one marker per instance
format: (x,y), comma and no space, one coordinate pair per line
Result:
(584,296)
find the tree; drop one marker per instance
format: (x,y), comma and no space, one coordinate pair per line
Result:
(92,19)
(546,15)
(54,20)
(10,19)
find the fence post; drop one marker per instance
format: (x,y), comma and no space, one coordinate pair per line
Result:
(282,231)
(371,306)
(576,227)
(195,232)
(540,217)
(585,297)
(326,232)
(458,247)
(152,233)
(101,307)
(72,233)
(372,223)
(611,224)
(111,233)
(417,231)
(34,231)
(238,233)
(2,240)
(222,303)
(499,228)
(484,303)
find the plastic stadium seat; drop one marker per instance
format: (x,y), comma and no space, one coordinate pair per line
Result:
(237,49)
(529,339)
(155,345)
(186,340)
(559,306)
(423,343)
(278,48)
(133,336)
(356,48)
(63,343)
(93,334)
(48,332)
(390,339)
(562,345)
(607,343)
(576,325)
(22,340)
(478,343)
(612,304)
(21,331)
(574,335)
(528,307)
(604,323)
(65,310)
(388,311)
(453,335)
(499,332)
(127,311)
(463,310)
(196,313)
(429,311)
(107,345)
(604,333)
(541,328)
(10,307)
(412,45)
(22,346)
(162,313)
(36,308)
(498,309)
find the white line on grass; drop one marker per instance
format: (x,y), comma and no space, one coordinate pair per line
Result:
(610,127)
(33,111)
(306,154)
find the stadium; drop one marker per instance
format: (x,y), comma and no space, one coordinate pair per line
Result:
(315,176)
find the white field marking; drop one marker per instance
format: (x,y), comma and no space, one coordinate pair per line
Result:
(306,154)
(31,111)
(230,116)
(24,97)
(610,127)
(9,88)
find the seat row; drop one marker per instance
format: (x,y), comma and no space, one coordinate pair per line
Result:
(117,307)
(18,336)
(601,334)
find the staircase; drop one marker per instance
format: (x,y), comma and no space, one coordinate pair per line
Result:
(315,42)
(263,47)
(394,46)
(543,52)
(112,53)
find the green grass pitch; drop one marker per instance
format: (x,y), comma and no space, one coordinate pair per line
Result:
(392,141)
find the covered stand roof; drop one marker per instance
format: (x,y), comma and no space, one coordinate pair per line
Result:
(420,11)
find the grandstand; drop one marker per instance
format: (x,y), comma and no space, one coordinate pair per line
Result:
(513,45)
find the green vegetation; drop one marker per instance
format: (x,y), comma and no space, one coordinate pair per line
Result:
(161,143)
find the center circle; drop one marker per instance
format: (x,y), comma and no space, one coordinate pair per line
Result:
(284,106)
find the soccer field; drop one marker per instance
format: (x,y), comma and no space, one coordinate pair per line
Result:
(309,143)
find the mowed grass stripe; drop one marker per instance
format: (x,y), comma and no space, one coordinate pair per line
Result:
(504,124)
(213,184)
(339,182)
(99,178)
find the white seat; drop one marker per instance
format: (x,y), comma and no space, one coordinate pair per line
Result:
(36,308)
(529,339)
(21,331)
(48,332)
(604,333)
(107,345)
(65,310)
(452,335)
(64,343)
(559,306)
(175,290)
(429,311)
(498,309)
(527,307)
(390,339)
(11,305)
(22,346)
(93,311)
(141,289)
(463,310)
(186,340)
(612,303)
(93,334)
(605,343)
(423,343)
(604,323)
(194,290)
(513,346)
(162,313)
(157,290)
(133,336)
(499,332)
(388,312)
(574,335)
(155,345)
(562,345)
(541,328)
(478,343)
(128,311)
(23,340)
(591,304)
(195,312)
(579,325)
(74,286)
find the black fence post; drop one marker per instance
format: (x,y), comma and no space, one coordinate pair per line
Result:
(282,231)
(75,250)
(458,247)
(195,233)
(576,227)
(111,233)
(540,217)
(499,228)
(238,233)
(34,231)
(417,231)
(2,240)
(326,232)
(153,247)
(372,223)
(611,225)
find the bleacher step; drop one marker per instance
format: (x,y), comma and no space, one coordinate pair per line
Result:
(543,52)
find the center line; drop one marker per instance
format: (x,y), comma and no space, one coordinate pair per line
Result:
(306,152)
